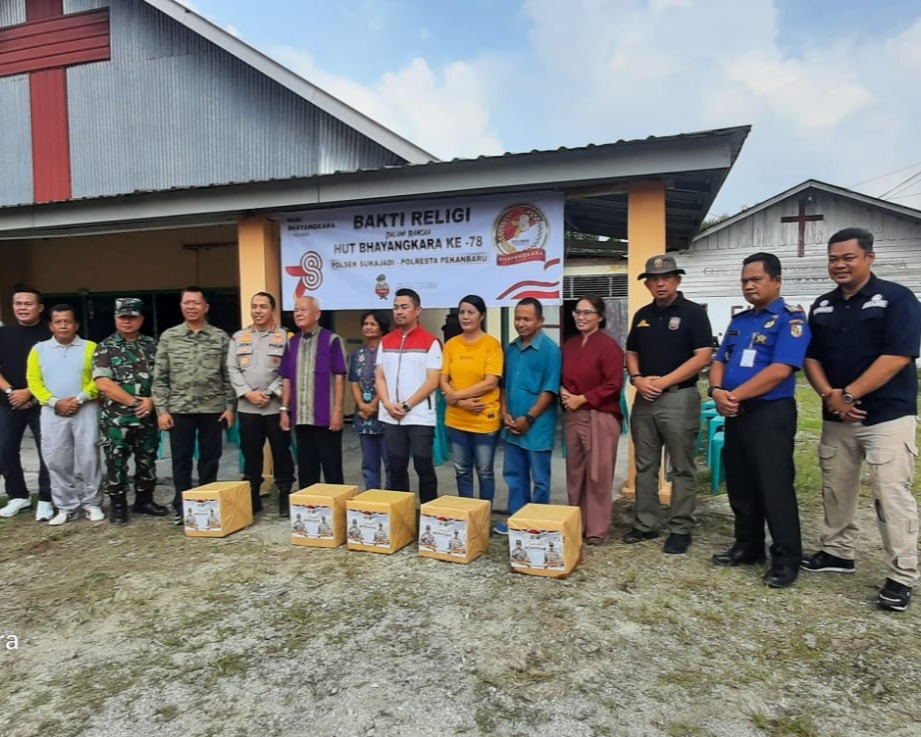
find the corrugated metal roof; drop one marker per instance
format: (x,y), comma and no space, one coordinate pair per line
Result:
(595,178)
(297,84)
(12,12)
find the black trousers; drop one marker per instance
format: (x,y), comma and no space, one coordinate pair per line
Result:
(759,478)
(318,448)
(254,431)
(206,429)
(403,441)
(13,423)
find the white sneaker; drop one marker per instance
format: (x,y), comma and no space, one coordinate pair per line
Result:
(44,511)
(61,517)
(94,513)
(14,507)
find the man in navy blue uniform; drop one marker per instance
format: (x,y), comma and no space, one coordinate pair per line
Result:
(752,381)
(866,334)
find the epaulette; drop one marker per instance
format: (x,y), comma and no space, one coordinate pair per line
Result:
(795,309)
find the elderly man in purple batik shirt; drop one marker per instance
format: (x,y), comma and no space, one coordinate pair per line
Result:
(313,372)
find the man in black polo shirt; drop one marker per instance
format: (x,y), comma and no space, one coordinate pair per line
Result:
(865,337)
(668,345)
(18,408)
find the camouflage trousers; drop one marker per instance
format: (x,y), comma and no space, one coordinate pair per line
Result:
(118,444)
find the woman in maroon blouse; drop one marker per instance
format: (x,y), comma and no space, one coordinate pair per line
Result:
(593,375)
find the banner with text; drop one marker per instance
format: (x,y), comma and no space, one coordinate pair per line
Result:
(502,248)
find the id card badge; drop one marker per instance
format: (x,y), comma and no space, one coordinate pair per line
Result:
(748,358)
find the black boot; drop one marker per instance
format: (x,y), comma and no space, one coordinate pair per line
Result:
(144,504)
(118,509)
(284,509)
(256,499)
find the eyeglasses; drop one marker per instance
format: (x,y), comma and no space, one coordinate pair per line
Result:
(583,313)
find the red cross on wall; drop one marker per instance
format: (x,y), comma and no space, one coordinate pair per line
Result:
(43,47)
(801,219)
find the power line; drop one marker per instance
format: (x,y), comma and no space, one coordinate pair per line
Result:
(887,174)
(901,185)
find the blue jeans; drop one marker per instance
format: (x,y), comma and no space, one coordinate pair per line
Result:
(521,469)
(467,449)
(373,454)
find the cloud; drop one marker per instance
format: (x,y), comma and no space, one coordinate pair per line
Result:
(443,111)
(833,107)
(839,110)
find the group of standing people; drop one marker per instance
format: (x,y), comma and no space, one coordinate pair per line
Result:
(857,346)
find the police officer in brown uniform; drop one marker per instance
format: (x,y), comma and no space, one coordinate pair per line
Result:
(253,360)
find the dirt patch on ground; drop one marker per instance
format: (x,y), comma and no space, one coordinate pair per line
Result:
(140,631)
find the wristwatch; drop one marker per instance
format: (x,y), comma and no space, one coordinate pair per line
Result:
(847,397)
(8,391)
(714,389)
(406,407)
(530,419)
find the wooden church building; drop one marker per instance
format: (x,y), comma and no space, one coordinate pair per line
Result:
(796,225)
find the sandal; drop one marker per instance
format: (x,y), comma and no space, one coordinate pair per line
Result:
(595,541)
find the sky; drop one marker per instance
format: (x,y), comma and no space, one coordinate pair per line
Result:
(830,87)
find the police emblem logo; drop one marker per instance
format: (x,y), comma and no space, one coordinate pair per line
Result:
(759,339)
(674,323)
(658,263)
(521,233)
(796,329)
(770,323)
(244,361)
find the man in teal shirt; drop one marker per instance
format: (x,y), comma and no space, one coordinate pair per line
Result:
(529,390)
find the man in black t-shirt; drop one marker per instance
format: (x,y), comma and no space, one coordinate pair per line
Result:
(18,408)
(668,345)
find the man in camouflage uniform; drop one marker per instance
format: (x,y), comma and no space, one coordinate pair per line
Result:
(123,368)
(192,393)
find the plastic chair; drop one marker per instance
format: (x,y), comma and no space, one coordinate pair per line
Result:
(717,424)
(718,468)
(233,432)
(709,404)
(625,411)
(441,448)
(705,416)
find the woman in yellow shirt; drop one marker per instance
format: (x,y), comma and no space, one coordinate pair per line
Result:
(470,381)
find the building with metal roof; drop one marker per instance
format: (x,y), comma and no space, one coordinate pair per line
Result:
(144,148)
(795,225)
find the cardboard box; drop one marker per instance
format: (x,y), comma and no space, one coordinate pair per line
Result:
(318,514)
(218,509)
(381,521)
(454,528)
(545,540)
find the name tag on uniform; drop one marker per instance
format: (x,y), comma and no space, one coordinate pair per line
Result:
(748,358)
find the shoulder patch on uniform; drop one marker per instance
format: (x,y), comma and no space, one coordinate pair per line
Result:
(795,309)
(796,329)
(642,324)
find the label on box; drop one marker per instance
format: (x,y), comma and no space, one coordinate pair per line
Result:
(312,521)
(443,535)
(201,515)
(536,548)
(368,528)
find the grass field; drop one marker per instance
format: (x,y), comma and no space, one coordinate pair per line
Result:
(140,631)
